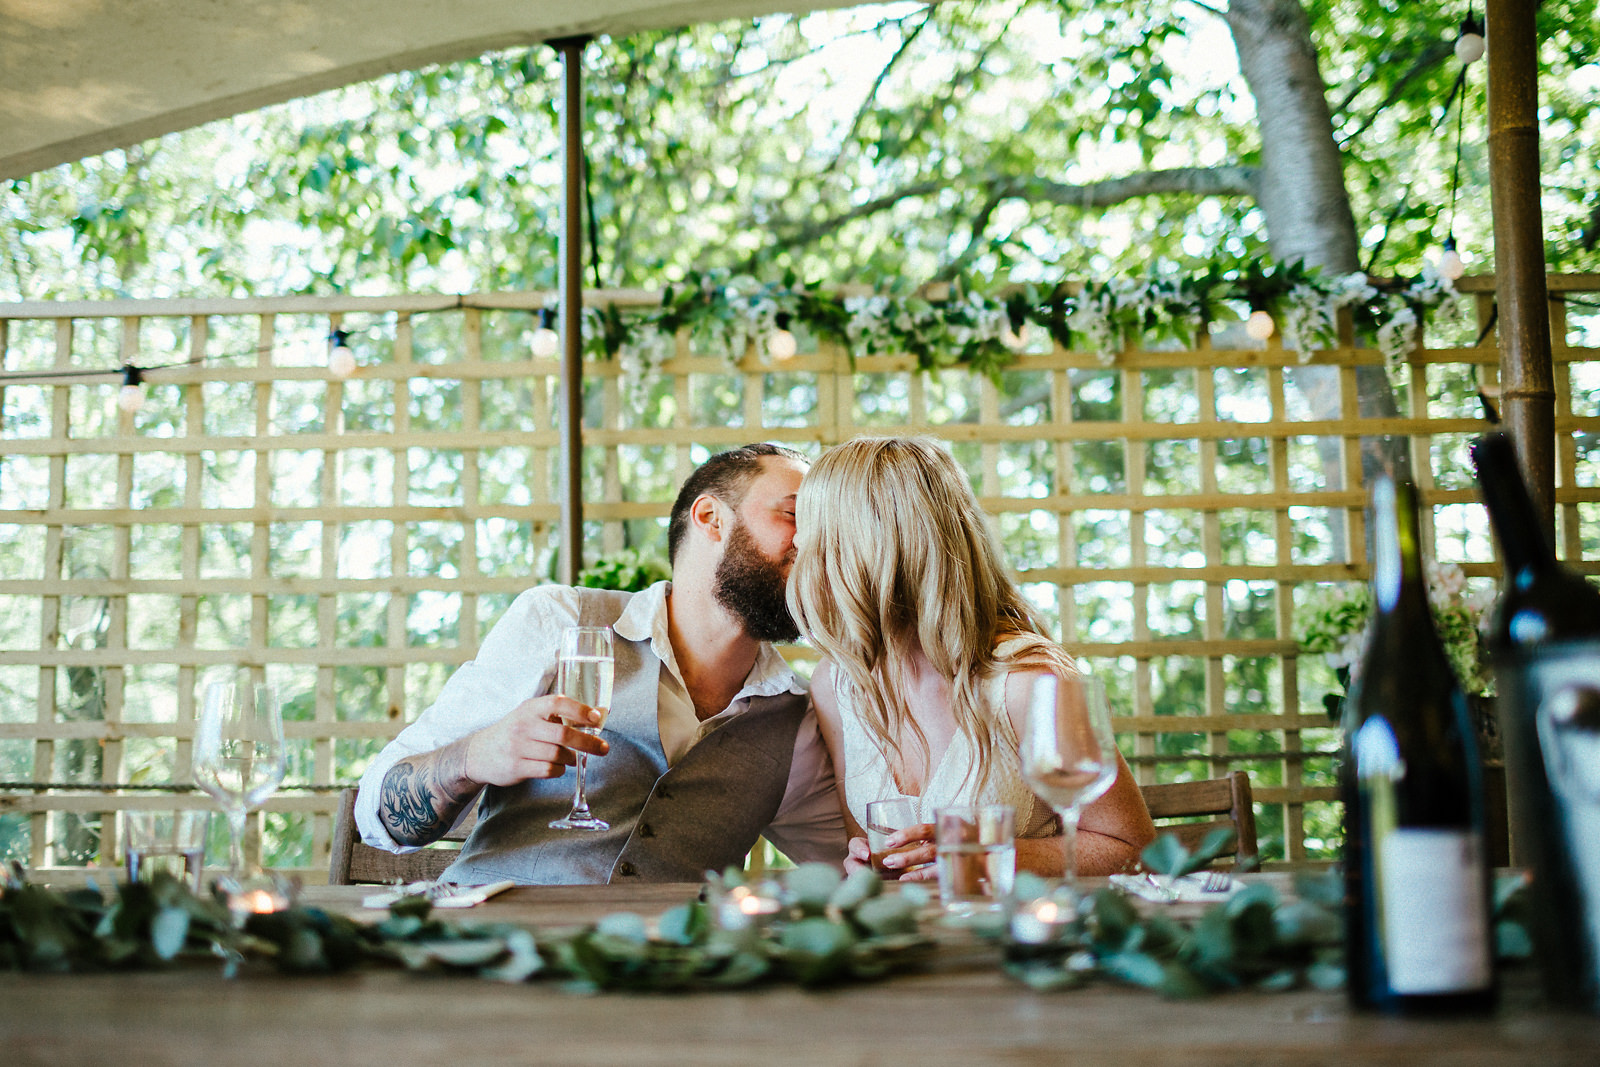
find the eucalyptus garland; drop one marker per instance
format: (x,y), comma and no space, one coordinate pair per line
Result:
(733,316)
(824,929)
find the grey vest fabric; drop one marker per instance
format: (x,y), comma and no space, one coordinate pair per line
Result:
(667,825)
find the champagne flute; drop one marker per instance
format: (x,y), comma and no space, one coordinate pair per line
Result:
(1069,757)
(585,670)
(239,754)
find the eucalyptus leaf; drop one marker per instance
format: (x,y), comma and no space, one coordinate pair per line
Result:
(686,924)
(811,885)
(887,915)
(168,931)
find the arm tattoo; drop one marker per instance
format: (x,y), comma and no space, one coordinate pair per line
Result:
(415,804)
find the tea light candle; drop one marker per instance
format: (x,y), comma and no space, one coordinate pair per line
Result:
(1039,922)
(743,907)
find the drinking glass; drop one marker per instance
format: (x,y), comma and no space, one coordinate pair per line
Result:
(1069,757)
(584,673)
(887,817)
(170,842)
(976,846)
(239,754)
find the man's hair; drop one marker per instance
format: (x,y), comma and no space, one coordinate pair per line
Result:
(726,476)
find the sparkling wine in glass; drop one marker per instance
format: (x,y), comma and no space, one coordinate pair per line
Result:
(1069,756)
(585,671)
(239,754)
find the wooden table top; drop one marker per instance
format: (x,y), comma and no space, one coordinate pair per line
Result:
(962,1010)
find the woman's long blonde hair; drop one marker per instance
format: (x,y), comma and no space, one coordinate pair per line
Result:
(894,556)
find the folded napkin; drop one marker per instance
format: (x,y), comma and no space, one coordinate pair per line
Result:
(439,894)
(1164,889)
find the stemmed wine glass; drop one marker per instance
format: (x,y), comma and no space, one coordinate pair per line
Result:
(239,756)
(1069,756)
(585,670)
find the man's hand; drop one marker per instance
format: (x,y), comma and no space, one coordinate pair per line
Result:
(422,795)
(539,738)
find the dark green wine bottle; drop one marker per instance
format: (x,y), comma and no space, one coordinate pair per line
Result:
(1542,601)
(1417,927)
(1544,644)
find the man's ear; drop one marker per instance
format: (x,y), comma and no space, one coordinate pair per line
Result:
(706,515)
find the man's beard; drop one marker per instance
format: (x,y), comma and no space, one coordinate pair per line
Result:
(751,586)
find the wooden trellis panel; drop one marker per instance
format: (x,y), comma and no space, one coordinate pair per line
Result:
(354,539)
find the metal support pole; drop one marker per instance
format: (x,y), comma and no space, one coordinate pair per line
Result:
(571,316)
(1527,381)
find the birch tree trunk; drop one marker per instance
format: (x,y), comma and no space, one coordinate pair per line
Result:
(1301,192)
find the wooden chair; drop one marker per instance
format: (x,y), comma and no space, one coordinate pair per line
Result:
(1229,797)
(354,862)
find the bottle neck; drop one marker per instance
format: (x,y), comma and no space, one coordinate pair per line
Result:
(1398,585)
(1523,543)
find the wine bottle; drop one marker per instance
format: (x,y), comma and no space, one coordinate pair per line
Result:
(1417,930)
(1544,645)
(1543,601)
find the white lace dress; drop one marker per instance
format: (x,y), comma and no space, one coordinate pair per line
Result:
(866,774)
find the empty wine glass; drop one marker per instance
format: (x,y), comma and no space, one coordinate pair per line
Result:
(585,667)
(1069,756)
(239,756)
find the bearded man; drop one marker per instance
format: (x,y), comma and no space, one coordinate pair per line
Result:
(710,741)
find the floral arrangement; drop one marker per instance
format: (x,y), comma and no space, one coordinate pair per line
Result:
(1334,622)
(955,325)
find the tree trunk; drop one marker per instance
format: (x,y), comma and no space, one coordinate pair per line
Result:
(1300,189)
(1301,184)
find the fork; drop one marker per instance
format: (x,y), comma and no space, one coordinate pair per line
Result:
(1216,882)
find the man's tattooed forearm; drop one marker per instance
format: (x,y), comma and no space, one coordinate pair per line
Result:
(414,804)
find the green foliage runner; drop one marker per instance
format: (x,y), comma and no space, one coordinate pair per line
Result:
(828,929)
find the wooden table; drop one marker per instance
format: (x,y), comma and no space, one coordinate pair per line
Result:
(961,1011)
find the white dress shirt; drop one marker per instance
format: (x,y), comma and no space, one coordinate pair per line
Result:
(517,661)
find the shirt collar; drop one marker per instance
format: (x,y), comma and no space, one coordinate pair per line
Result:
(645,619)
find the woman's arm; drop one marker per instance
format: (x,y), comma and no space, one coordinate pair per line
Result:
(827,709)
(1112,829)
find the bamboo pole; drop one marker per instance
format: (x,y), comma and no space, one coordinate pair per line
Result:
(571,257)
(1525,362)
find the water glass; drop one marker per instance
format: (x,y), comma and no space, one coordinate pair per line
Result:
(173,842)
(885,818)
(977,850)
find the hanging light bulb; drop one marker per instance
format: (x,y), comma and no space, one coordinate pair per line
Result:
(781,344)
(341,361)
(1016,339)
(1259,326)
(1470,43)
(1451,265)
(130,397)
(546,342)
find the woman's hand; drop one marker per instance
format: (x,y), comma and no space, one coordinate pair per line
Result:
(909,855)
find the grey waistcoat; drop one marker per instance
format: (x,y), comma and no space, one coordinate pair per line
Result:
(667,825)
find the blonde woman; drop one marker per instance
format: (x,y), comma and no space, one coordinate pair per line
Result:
(931,652)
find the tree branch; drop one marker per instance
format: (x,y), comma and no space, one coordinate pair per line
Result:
(1430,57)
(877,83)
(1192,181)
(980,222)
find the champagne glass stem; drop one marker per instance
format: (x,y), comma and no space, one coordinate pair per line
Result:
(1069,847)
(580,803)
(237,814)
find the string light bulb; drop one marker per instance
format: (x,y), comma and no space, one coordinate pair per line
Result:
(546,342)
(1470,44)
(1015,338)
(130,397)
(341,360)
(781,344)
(1451,265)
(1259,326)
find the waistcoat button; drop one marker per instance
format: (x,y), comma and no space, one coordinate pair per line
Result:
(626,869)
(645,830)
